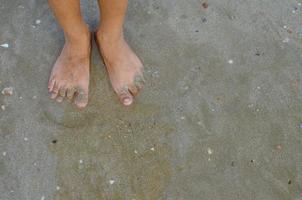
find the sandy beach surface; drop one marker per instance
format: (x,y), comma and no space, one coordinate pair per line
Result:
(220,117)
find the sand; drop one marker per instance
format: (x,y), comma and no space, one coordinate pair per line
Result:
(219,119)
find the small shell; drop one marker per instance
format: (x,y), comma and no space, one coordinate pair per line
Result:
(5,45)
(210,151)
(8,91)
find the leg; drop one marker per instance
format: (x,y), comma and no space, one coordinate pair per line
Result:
(124,68)
(70,74)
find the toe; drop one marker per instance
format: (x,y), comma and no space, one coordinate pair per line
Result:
(62,92)
(51,84)
(134,90)
(139,81)
(61,95)
(55,91)
(125,97)
(81,98)
(70,93)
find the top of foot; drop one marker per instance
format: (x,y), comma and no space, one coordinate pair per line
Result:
(69,78)
(123,66)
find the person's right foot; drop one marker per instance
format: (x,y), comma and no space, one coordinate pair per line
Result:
(70,75)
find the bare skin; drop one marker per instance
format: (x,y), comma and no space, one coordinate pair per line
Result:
(69,78)
(123,66)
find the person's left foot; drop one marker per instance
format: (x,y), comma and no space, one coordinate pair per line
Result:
(123,66)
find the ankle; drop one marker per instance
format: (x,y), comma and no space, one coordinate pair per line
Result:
(78,36)
(109,37)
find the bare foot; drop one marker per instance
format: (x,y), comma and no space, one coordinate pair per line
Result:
(70,75)
(124,67)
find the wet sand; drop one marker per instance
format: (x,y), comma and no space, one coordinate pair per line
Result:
(220,116)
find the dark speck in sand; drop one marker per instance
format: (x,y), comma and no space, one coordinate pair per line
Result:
(204,20)
(252,161)
(233,164)
(289,182)
(54,141)
(205,5)
(197,31)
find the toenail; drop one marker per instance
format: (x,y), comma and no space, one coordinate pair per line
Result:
(127,101)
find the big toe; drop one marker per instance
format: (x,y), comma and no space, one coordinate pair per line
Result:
(81,98)
(125,97)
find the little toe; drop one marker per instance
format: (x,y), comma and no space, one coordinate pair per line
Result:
(81,98)
(51,84)
(125,97)
(59,99)
(55,91)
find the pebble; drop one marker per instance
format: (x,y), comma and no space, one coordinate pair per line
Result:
(299,4)
(205,5)
(34,97)
(4,153)
(230,61)
(279,146)
(38,21)
(135,151)
(8,91)
(210,151)
(25,139)
(258,87)
(152,149)
(182,118)
(112,182)
(58,188)
(5,45)
(251,105)
(286,40)
(3,107)
(43,198)
(81,161)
